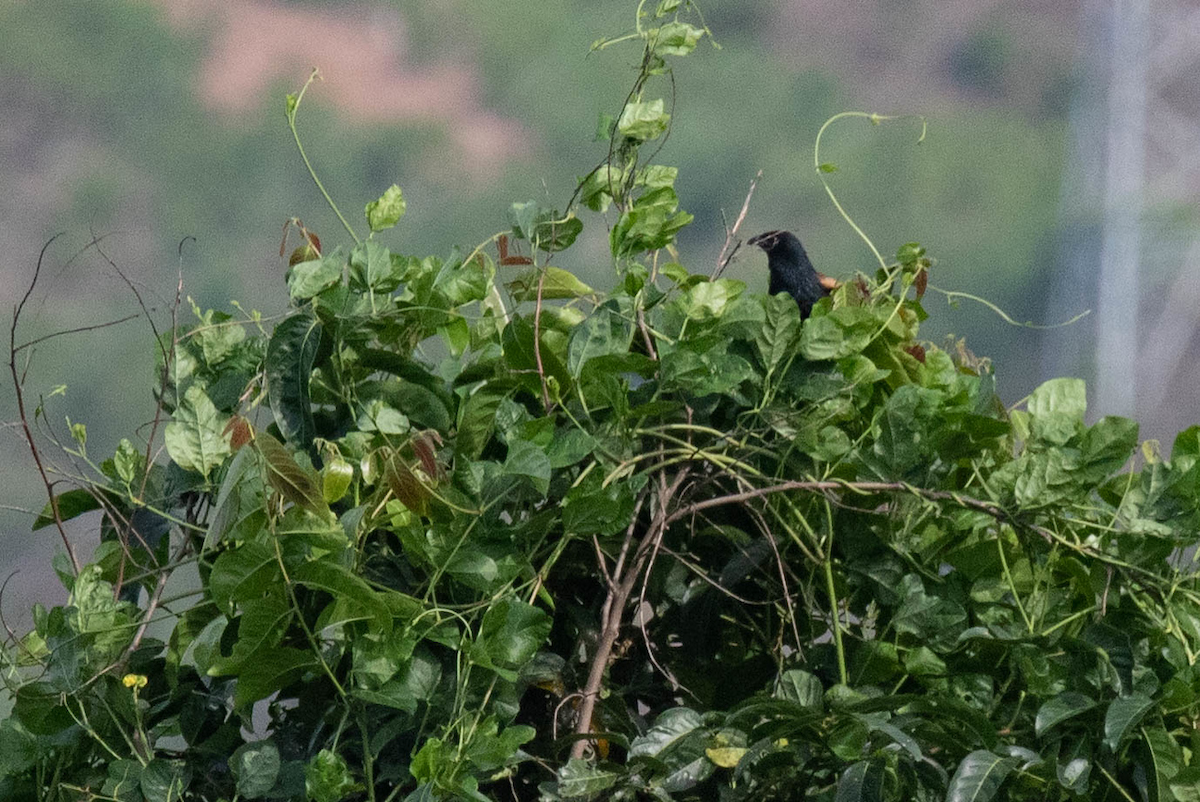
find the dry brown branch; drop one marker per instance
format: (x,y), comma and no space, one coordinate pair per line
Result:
(723,259)
(18,388)
(612,613)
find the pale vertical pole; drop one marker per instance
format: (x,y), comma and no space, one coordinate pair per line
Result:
(1117,306)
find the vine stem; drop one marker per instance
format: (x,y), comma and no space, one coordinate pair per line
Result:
(293,107)
(875,119)
(835,620)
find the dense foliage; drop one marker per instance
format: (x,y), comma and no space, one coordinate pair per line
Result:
(467,528)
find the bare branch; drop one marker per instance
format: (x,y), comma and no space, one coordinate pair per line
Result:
(19,389)
(724,259)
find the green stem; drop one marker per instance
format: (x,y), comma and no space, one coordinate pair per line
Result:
(1012,586)
(293,106)
(875,120)
(834,621)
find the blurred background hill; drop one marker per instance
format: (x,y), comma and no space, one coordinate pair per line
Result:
(160,126)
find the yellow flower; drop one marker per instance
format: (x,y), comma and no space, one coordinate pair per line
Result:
(134,680)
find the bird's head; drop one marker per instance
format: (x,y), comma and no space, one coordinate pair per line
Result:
(777,242)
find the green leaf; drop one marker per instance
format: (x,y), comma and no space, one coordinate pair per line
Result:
(841,333)
(510,635)
(1186,784)
(708,299)
(129,463)
(164,780)
(1166,759)
(263,623)
(231,497)
(644,121)
(385,212)
(307,279)
(675,39)
(18,747)
(778,339)
(246,572)
(345,586)
(669,728)
(801,686)
(291,352)
(123,781)
(649,224)
(978,777)
(544,228)
(327,778)
(335,479)
(861,782)
(1123,714)
(557,284)
(1060,708)
(477,420)
(606,331)
(195,437)
(527,460)
(273,670)
(71,504)
(569,447)
(1056,409)
(373,269)
(457,283)
(582,779)
(255,766)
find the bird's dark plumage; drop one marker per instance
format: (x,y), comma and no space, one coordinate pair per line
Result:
(791,270)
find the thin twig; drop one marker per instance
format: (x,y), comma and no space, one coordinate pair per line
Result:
(724,259)
(18,388)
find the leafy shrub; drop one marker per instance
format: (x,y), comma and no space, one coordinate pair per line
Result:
(466,528)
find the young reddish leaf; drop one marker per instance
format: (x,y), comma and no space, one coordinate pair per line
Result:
(406,486)
(297,484)
(240,432)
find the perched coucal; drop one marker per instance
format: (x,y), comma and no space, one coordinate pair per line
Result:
(791,270)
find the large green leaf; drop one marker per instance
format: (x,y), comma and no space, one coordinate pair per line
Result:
(246,572)
(510,634)
(1060,708)
(291,353)
(607,331)
(643,121)
(195,438)
(313,277)
(372,268)
(544,227)
(274,669)
(1166,759)
(255,766)
(262,625)
(861,782)
(777,340)
(669,728)
(1122,716)
(345,586)
(978,777)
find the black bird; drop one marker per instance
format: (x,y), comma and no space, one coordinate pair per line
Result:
(791,270)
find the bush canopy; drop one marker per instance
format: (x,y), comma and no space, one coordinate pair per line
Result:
(463,527)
